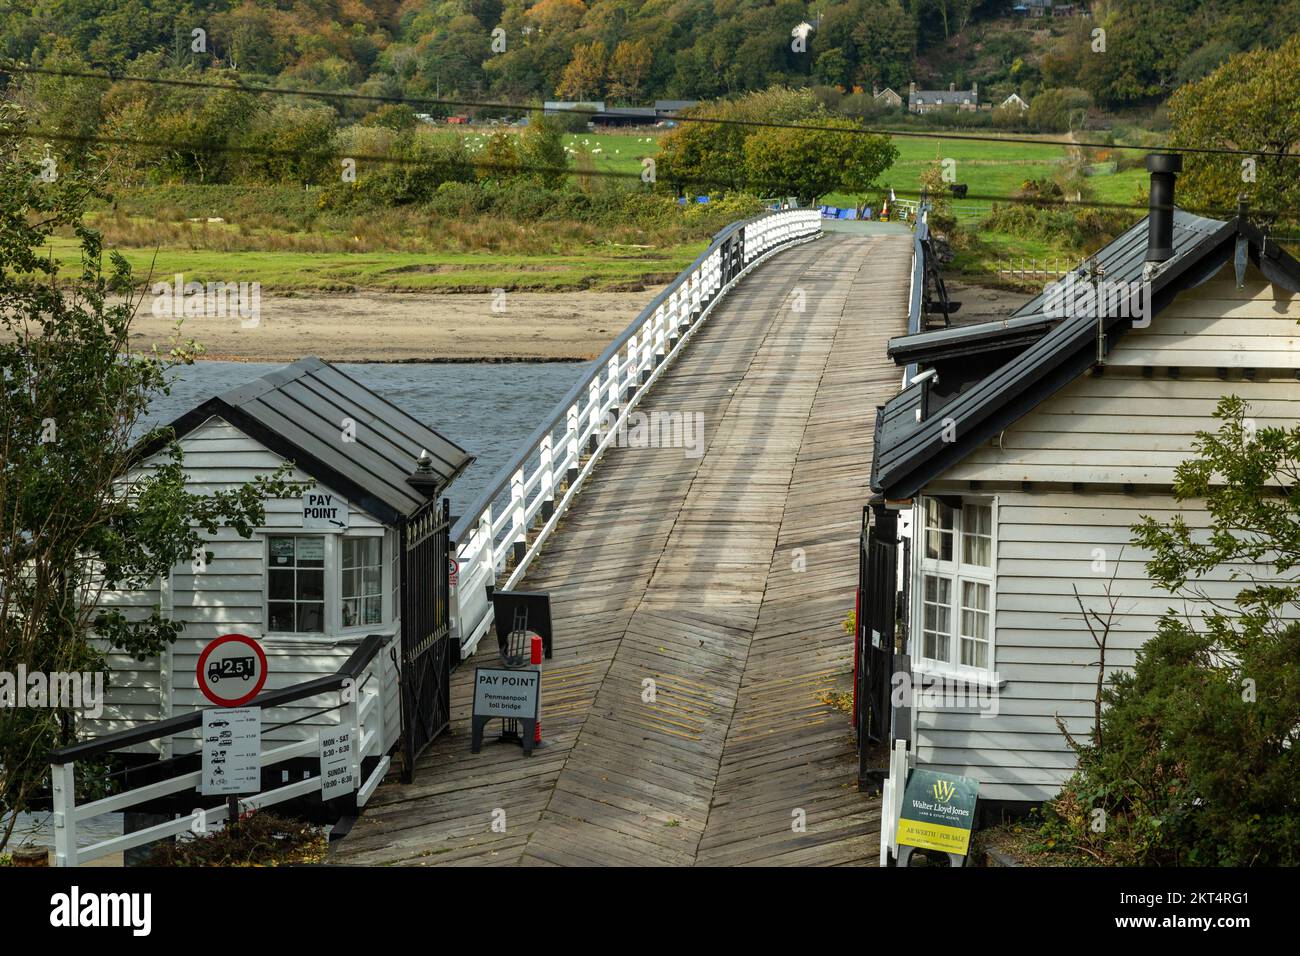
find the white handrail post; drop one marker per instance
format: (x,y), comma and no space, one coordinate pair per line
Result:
(661,325)
(489,546)
(350,718)
(593,416)
(572,440)
(547,465)
(519,533)
(612,376)
(63,776)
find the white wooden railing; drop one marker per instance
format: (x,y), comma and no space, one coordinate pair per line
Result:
(540,482)
(361,711)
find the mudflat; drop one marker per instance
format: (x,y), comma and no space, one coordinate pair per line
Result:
(408,327)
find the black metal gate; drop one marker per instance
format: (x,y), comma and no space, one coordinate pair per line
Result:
(426,630)
(875,632)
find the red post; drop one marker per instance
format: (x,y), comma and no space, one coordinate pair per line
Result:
(536,657)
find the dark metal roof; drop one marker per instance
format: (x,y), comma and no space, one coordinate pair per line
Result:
(962,340)
(298,412)
(908,454)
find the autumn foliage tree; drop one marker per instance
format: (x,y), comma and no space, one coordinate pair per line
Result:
(584,77)
(1249,103)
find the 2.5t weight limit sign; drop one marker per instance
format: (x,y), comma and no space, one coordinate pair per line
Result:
(231,670)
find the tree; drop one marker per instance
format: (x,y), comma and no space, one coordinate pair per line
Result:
(585,74)
(1249,103)
(712,154)
(75,519)
(628,69)
(541,150)
(813,162)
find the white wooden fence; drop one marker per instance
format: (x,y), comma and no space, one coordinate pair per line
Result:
(360,706)
(540,482)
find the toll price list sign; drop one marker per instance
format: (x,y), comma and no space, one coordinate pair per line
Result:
(938,812)
(337,776)
(232,751)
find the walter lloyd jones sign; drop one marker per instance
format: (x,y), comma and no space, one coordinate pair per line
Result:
(938,812)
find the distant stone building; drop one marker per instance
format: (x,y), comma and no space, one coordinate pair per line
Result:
(925,101)
(886,97)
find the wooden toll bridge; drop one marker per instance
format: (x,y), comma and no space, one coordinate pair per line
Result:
(694,710)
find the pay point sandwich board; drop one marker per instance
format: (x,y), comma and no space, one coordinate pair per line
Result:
(509,693)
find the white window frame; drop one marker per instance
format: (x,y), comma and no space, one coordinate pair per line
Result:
(334,628)
(956,572)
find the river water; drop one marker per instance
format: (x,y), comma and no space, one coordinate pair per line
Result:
(487,408)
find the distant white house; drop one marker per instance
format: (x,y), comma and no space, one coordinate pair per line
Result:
(886,97)
(1013,101)
(925,101)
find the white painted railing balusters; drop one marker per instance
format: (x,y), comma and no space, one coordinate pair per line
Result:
(547,467)
(518,533)
(571,439)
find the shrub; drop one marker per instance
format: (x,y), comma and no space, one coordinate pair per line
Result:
(1192,771)
(259,838)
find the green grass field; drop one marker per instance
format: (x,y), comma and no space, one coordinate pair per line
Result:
(288,272)
(282,253)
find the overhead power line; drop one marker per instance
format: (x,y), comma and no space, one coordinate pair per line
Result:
(262,89)
(749,184)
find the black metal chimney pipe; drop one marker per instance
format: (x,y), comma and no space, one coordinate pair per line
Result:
(1163,167)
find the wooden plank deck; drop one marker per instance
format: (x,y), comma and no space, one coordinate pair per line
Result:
(723,579)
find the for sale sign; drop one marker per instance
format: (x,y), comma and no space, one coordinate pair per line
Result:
(938,812)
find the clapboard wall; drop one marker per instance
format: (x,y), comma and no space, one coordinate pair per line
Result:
(1110,430)
(228,595)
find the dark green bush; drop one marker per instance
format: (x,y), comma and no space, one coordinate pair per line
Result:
(1196,765)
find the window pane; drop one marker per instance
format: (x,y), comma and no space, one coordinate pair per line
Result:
(311,552)
(938,530)
(374,581)
(280,584)
(371,549)
(977,535)
(975,624)
(282,552)
(936,617)
(351,584)
(280,617)
(311,585)
(374,610)
(310,618)
(350,617)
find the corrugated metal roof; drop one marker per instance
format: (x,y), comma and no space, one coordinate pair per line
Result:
(300,412)
(909,453)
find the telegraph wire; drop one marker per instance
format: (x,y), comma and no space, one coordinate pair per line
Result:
(257,88)
(567,171)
